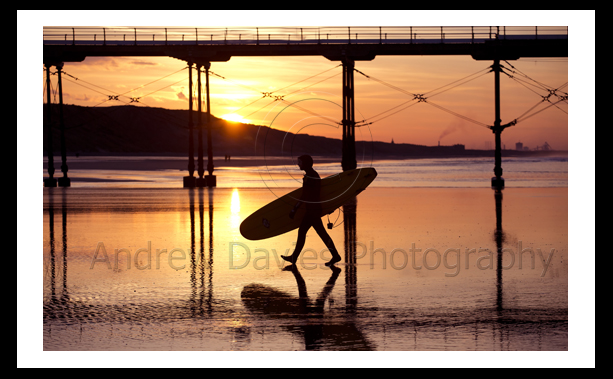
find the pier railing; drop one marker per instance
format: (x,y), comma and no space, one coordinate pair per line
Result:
(294,35)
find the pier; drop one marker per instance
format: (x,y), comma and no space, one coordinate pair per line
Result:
(201,47)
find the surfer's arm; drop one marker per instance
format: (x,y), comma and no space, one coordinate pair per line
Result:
(303,197)
(293,211)
(308,190)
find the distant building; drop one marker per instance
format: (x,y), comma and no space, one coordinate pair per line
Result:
(519,146)
(459,146)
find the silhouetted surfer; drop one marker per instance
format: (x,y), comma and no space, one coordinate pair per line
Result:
(312,218)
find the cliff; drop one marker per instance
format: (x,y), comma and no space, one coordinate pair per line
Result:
(158,131)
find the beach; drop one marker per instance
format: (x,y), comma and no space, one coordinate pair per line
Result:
(137,265)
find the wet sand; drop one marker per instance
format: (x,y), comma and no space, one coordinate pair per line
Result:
(151,163)
(423,269)
(165,172)
(168,171)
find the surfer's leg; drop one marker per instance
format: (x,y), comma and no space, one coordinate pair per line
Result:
(323,234)
(302,231)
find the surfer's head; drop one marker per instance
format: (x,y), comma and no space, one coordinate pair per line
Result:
(305,162)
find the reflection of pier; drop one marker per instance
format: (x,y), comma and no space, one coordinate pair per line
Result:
(201,265)
(499,237)
(202,293)
(501,323)
(52,269)
(351,285)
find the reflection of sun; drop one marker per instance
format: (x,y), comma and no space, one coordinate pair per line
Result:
(235,205)
(235,208)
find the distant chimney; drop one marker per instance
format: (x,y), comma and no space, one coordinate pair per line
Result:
(439,143)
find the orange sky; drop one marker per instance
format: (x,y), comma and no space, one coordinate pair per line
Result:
(420,124)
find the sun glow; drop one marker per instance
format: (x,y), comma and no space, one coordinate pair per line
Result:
(235,118)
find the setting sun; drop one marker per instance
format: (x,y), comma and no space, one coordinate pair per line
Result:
(235,118)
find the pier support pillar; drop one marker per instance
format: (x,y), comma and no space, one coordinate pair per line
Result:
(190,181)
(497,180)
(348,160)
(64,181)
(211,180)
(200,181)
(50,181)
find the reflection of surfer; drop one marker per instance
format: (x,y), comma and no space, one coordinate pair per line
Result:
(312,218)
(305,316)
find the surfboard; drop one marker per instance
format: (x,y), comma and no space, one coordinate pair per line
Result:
(273,219)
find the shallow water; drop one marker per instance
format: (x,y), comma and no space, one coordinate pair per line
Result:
(282,173)
(423,269)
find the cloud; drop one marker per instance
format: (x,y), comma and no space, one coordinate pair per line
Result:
(98,63)
(144,63)
(71,97)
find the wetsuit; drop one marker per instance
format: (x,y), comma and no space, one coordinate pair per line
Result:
(311,184)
